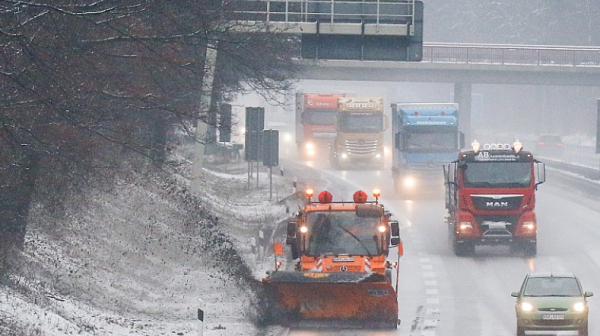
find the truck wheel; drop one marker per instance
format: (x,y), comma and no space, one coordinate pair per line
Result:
(515,248)
(464,249)
(396,179)
(333,161)
(388,275)
(530,249)
(520,331)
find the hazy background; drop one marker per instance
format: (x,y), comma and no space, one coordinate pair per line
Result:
(505,110)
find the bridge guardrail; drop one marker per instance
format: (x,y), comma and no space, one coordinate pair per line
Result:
(327,11)
(511,54)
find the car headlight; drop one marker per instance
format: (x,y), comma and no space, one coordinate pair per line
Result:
(409,182)
(344,156)
(526,306)
(310,146)
(579,307)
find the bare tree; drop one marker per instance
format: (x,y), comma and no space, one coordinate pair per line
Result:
(86,85)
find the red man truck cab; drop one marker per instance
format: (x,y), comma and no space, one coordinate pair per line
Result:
(490,198)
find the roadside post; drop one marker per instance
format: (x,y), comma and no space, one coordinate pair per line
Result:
(201,306)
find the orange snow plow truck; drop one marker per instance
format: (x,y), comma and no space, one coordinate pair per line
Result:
(342,275)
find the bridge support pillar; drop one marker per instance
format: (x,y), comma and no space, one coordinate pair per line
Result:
(462,96)
(202,127)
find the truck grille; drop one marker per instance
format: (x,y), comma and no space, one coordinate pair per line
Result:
(496,226)
(553,323)
(497,202)
(361,147)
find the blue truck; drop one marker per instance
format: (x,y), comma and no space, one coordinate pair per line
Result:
(426,137)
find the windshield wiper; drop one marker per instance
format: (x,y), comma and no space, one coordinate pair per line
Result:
(356,238)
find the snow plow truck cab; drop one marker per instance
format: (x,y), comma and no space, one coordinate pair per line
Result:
(341,275)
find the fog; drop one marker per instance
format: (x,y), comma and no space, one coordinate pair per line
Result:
(501,112)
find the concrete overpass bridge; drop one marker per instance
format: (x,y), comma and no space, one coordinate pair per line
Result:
(467,64)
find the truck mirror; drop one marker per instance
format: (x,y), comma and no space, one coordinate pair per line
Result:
(451,173)
(291,233)
(397,140)
(394,232)
(385,122)
(462,140)
(541,173)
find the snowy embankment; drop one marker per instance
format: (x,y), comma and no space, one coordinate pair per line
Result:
(136,259)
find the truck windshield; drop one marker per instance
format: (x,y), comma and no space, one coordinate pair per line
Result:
(361,122)
(425,142)
(497,174)
(342,232)
(319,117)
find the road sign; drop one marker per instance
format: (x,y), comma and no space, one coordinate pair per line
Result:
(255,119)
(270,148)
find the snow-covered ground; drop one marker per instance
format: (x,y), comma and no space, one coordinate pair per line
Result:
(136,260)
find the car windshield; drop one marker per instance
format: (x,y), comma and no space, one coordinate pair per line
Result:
(552,286)
(342,232)
(497,174)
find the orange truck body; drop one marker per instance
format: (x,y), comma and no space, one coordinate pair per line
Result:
(342,272)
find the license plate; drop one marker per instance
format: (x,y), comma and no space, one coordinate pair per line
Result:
(553,317)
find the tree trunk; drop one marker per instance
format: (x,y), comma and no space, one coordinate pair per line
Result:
(15,200)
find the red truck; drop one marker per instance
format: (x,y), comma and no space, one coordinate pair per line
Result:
(490,198)
(315,124)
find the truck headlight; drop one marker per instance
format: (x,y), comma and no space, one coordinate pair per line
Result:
(344,156)
(378,156)
(462,226)
(310,146)
(409,182)
(529,225)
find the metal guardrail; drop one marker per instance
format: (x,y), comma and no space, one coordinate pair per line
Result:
(306,13)
(511,54)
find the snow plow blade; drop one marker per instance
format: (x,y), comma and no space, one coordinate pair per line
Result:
(350,299)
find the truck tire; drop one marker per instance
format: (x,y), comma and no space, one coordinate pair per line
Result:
(464,249)
(388,275)
(530,249)
(334,163)
(520,331)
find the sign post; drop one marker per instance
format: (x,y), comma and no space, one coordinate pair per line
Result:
(255,121)
(270,154)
